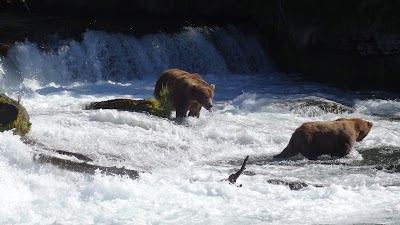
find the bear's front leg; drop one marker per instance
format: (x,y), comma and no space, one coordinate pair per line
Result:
(194,110)
(343,150)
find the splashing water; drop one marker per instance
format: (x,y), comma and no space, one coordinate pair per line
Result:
(256,111)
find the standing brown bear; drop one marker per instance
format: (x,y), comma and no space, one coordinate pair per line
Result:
(335,138)
(188,92)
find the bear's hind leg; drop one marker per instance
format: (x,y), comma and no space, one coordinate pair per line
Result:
(286,153)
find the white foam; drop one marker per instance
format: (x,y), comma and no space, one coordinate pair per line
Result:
(185,161)
(180,188)
(378,106)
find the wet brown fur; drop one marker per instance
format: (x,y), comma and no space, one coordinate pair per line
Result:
(335,138)
(189,92)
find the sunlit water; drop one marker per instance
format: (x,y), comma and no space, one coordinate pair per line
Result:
(255,113)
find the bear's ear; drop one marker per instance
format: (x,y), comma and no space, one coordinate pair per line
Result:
(212,86)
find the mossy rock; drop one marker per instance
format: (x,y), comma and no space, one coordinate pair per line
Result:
(150,106)
(13,116)
(161,107)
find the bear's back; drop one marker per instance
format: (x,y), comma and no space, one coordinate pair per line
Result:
(176,77)
(167,78)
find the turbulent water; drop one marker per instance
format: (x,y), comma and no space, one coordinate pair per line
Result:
(256,111)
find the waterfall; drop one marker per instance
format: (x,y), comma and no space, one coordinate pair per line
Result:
(118,57)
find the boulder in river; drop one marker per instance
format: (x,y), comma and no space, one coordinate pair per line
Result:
(13,116)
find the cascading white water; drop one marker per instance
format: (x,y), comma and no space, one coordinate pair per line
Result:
(118,57)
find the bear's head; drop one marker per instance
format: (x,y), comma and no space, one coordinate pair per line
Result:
(204,95)
(362,126)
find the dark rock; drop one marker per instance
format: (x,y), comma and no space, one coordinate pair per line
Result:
(293,185)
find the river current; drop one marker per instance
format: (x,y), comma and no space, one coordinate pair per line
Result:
(256,111)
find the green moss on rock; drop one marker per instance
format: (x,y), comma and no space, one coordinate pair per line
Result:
(161,108)
(150,106)
(13,116)
(165,103)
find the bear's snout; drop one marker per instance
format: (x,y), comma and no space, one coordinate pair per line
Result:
(208,105)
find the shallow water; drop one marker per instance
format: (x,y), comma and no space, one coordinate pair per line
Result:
(255,114)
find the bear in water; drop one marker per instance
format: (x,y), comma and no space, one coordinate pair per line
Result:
(335,138)
(188,92)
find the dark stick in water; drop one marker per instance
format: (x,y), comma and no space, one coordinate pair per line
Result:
(233,177)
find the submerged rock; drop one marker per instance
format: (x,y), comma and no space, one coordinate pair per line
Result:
(293,185)
(13,116)
(314,106)
(83,167)
(394,168)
